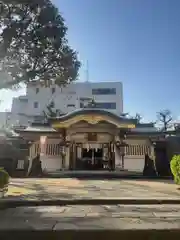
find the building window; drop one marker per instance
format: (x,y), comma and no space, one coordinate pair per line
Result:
(99,105)
(23,100)
(36,104)
(38,119)
(37,90)
(105,105)
(104,91)
(53,90)
(71,105)
(84,99)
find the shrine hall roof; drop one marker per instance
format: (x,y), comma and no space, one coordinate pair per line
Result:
(90,111)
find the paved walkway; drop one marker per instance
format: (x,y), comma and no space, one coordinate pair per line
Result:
(91,216)
(74,188)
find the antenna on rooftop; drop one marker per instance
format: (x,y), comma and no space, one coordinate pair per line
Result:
(87,71)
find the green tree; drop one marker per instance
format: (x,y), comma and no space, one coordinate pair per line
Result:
(33,44)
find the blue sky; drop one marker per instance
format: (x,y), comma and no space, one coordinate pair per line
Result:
(133,41)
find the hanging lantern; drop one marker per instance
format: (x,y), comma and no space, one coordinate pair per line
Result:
(67,143)
(123,134)
(118,143)
(63,154)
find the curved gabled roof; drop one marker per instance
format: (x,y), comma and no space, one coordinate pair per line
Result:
(91,111)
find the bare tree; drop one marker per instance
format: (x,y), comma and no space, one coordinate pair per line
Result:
(165,118)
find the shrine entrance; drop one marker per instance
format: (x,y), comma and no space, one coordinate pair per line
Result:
(92,156)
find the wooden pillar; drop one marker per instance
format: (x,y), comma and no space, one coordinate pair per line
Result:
(122,155)
(74,155)
(113,155)
(71,156)
(43,144)
(67,157)
(152,152)
(43,140)
(64,148)
(109,155)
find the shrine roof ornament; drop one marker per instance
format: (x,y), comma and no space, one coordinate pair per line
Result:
(91,104)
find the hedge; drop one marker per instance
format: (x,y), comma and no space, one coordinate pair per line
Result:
(175,168)
(4,178)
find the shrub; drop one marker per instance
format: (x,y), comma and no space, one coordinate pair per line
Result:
(175,168)
(4,178)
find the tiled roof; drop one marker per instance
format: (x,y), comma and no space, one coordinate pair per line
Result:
(93,111)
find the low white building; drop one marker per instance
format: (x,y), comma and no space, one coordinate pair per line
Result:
(29,108)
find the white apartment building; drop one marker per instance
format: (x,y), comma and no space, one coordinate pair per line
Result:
(29,108)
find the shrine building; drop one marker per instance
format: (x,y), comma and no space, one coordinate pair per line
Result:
(90,139)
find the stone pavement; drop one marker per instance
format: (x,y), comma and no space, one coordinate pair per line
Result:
(79,217)
(75,188)
(75,217)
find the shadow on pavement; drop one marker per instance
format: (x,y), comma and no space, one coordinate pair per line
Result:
(111,175)
(37,217)
(40,192)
